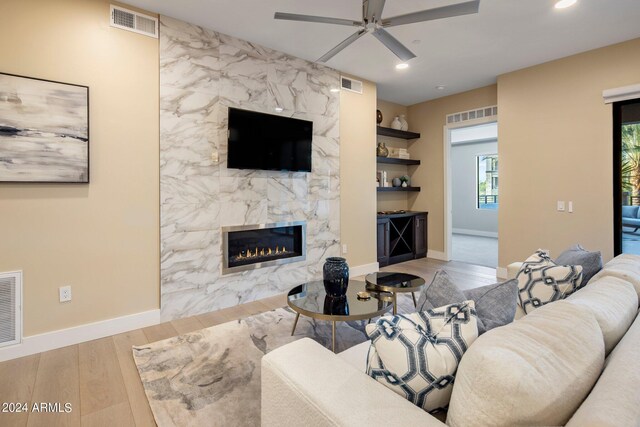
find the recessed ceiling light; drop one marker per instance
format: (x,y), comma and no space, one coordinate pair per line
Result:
(279,109)
(562,4)
(402,66)
(440,87)
(335,89)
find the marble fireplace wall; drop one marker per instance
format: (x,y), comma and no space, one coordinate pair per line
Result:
(202,74)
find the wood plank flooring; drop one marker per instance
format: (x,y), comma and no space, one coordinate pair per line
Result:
(100,380)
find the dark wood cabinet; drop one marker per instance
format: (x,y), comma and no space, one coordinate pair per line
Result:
(401,237)
(383,241)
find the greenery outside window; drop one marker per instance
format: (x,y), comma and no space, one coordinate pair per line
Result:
(487,179)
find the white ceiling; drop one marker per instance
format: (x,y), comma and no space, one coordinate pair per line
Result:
(461,53)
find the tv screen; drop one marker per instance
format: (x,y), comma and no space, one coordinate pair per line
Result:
(269,142)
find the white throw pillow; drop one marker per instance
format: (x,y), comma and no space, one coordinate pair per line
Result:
(416,355)
(541,281)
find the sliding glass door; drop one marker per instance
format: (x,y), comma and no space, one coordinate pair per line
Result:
(626,169)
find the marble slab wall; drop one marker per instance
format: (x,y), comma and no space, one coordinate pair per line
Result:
(202,74)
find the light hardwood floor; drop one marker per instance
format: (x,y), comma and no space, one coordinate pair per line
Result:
(99,378)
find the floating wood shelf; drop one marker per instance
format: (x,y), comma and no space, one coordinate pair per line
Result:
(398,188)
(395,161)
(395,133)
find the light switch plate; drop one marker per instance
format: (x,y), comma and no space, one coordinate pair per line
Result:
(560,205)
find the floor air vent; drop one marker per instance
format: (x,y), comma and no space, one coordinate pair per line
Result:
(133,21)
(463,116)
(10,308)
(351,84)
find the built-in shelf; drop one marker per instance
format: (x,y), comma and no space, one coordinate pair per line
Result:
(398,188)
(395,161)
(395,133)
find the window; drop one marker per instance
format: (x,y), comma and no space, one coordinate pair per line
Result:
(487,167)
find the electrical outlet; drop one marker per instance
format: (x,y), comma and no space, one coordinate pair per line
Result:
(65,293)
(344,248)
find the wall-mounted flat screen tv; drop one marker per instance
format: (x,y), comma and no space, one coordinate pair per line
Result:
(269,142)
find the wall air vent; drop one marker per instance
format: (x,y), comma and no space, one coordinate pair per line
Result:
(351,84)
(480,113)
(10,308)
(133,21)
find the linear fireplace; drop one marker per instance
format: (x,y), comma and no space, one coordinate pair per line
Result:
(246,247)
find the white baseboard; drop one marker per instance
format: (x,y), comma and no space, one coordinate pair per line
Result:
(90,331)
(501,273)
(475,232)
(437,255)
(361,270)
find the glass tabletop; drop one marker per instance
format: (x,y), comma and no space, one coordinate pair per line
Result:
(393,282)
(311,300)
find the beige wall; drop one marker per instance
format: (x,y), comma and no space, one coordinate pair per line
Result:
(389,110)
(428,118)
(358,174)
(556,144)
(100,238)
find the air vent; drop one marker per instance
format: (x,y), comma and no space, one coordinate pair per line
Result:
(133,21)
(480,113)
(351,85)
(10,308)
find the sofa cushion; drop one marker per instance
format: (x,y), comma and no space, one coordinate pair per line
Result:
(630,211)
(541,281)
(356,356)
(535,371)
(495,303)
(416,355)
(614,400)
(591,262)
(625,267)
(613,302)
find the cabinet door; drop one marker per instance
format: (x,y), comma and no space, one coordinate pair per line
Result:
(420,235)
(383,241)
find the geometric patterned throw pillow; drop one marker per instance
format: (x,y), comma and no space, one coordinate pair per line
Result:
(416,355)
(541,281)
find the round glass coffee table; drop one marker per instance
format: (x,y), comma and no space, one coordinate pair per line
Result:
(310,299)
(394,283)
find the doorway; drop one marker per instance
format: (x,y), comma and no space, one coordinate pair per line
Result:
(474,194)
(626,169)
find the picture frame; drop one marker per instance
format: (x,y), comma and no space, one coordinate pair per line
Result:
(44,131)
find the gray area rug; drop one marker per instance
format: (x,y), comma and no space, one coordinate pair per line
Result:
(211,377)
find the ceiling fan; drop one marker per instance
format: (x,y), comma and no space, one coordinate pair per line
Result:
(373,23)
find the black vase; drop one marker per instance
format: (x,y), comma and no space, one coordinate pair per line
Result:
(336,306)
(335,273)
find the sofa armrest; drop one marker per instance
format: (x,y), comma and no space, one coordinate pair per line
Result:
(512,270)
(303,383)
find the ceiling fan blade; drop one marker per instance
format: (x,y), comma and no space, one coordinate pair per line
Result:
(372,10)
(318,19)
(393,44)
(333,52)
(459,9)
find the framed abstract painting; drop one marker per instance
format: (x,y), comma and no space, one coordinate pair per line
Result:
(44,131)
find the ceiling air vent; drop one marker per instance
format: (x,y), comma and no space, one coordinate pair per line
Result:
(480,113)
(351,85)
(10,308)
(133,21)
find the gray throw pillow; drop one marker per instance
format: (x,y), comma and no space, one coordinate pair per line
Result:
(496,303)
(591,262)
(440,292)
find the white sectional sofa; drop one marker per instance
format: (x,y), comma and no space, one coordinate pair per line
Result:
(574,362)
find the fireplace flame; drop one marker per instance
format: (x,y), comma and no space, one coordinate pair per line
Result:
(260,252)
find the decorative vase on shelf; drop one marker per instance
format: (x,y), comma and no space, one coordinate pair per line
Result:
(396,182)
(378,117)
(404,184)
(403,122)
(335,274)
(395,124)
(382,150)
